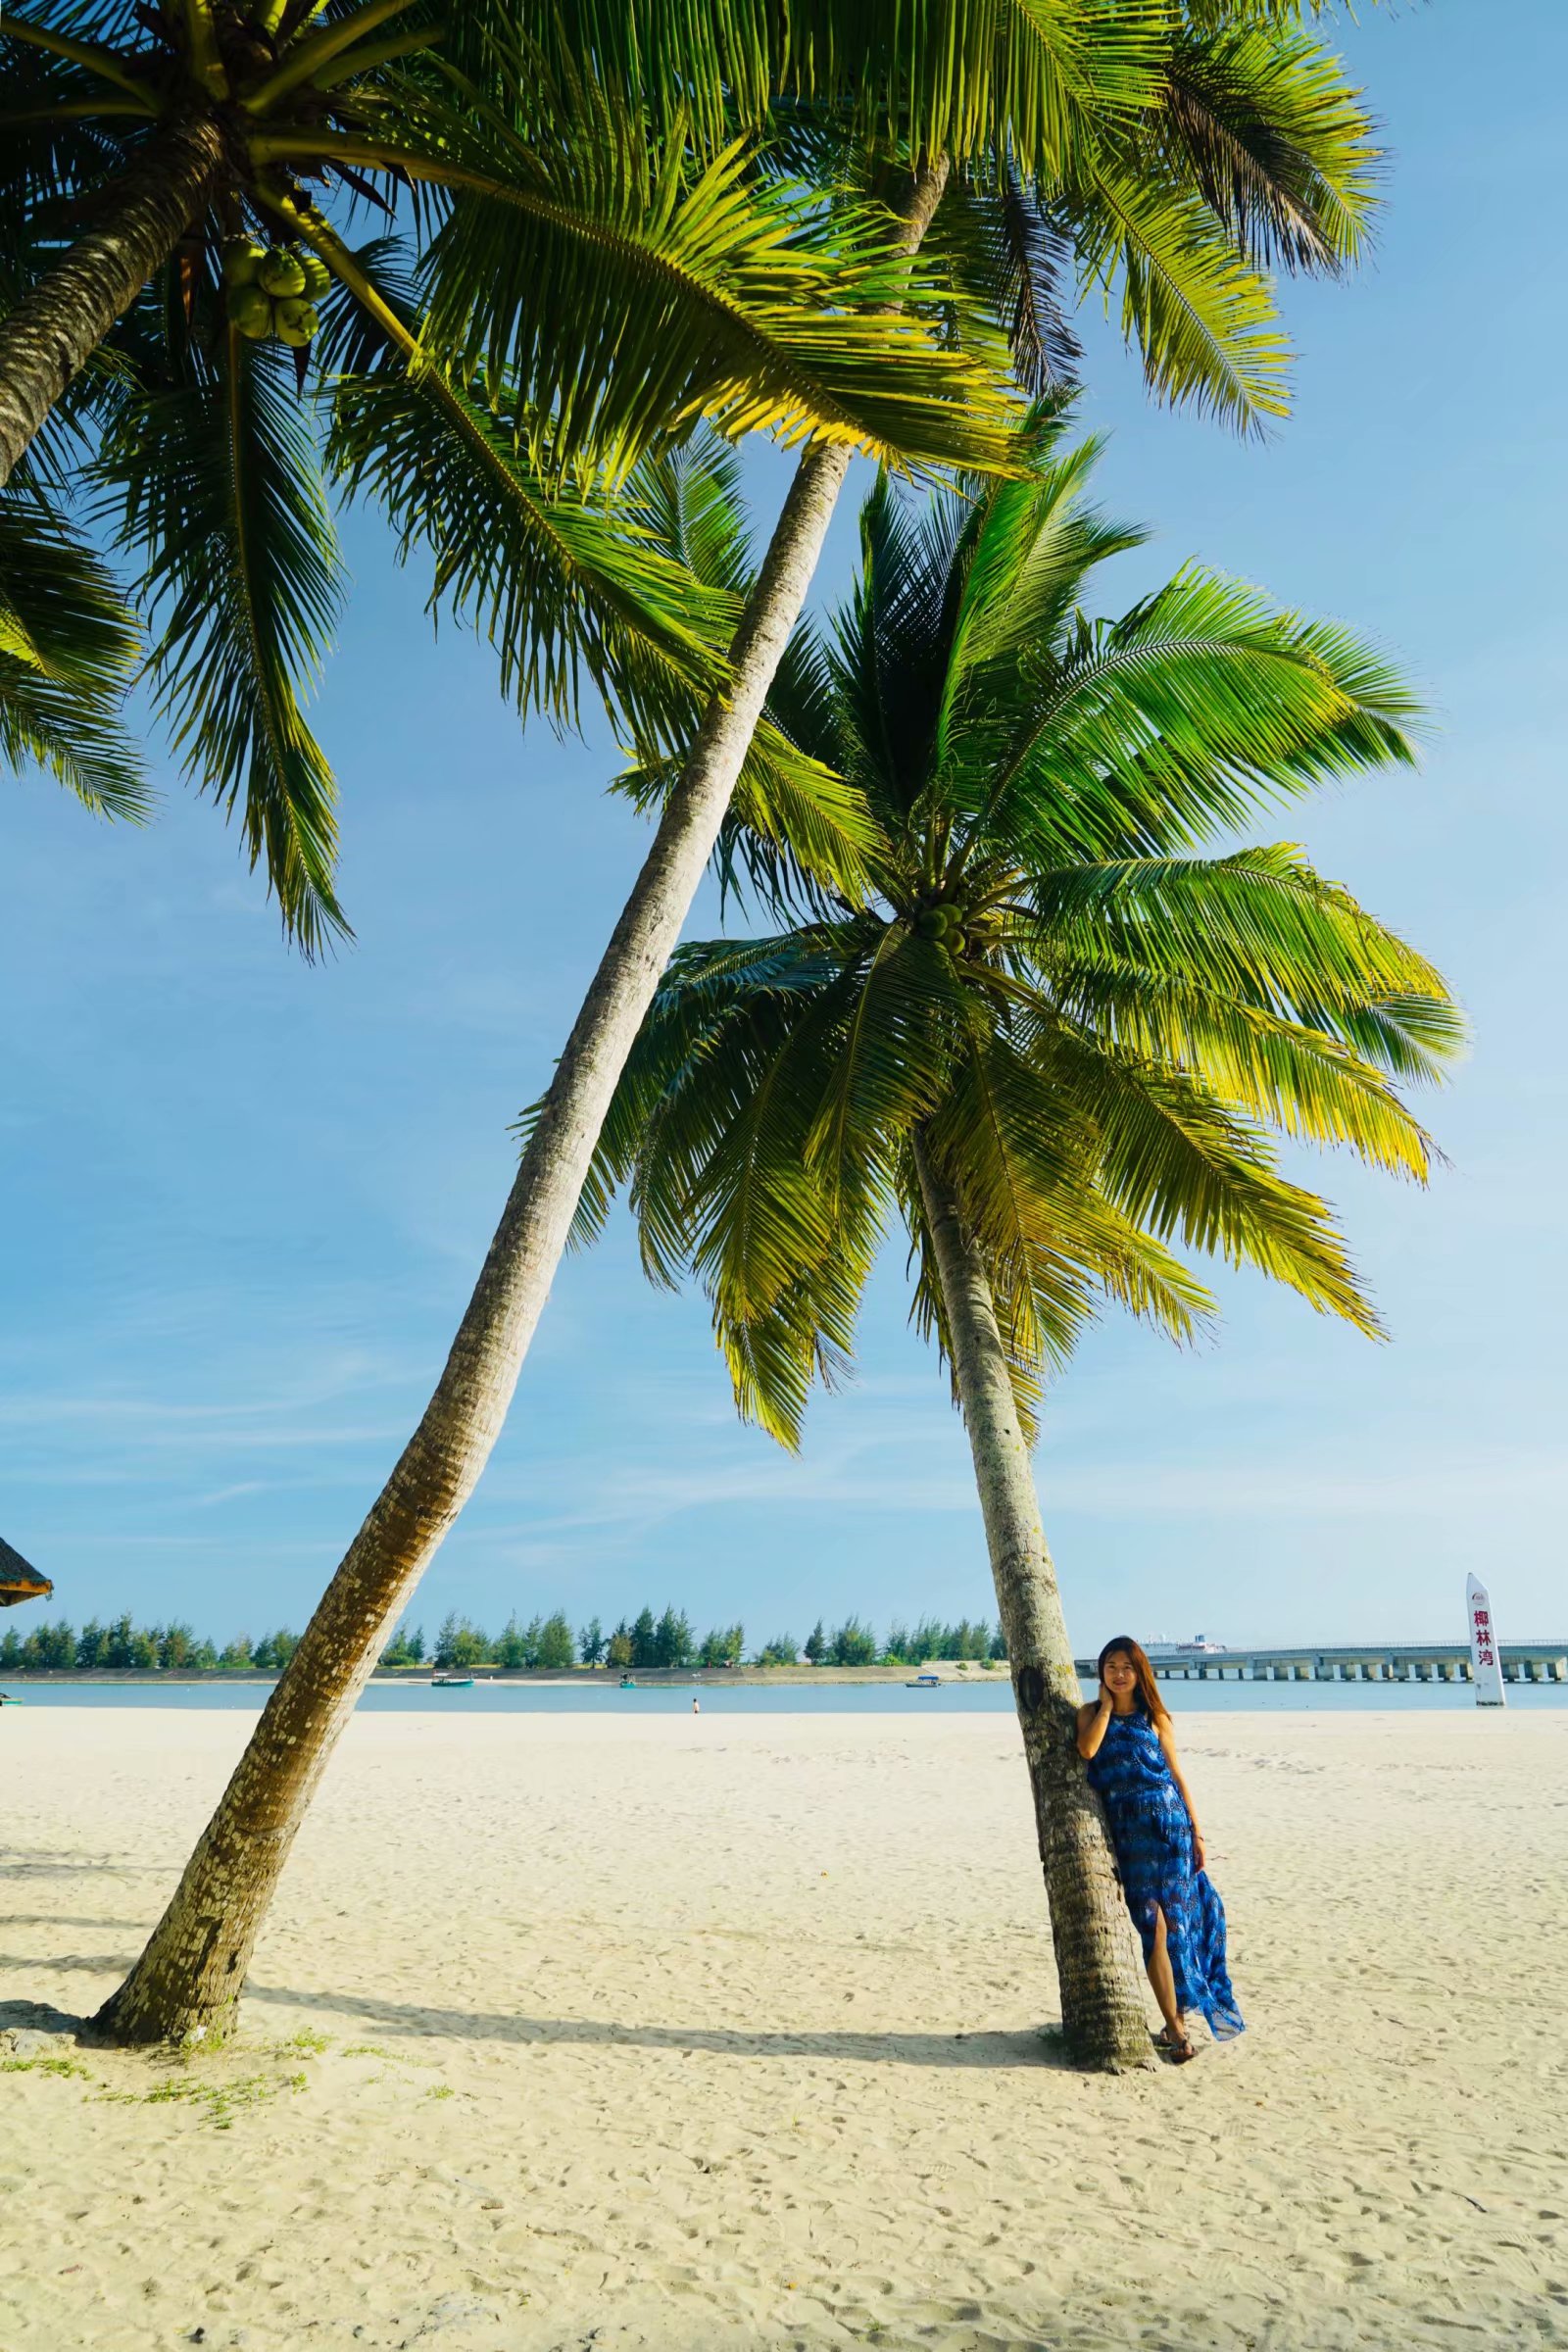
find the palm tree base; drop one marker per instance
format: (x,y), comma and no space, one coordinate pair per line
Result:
(1103,2026)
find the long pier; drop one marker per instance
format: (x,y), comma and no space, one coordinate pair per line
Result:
(1422,1662)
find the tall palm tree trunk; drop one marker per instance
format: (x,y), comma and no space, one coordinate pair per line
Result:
(60,322)
(190,1977)
(1101,1995)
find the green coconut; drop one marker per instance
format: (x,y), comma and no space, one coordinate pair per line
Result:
(317,276)
(251,312)
(296,322)
(243,257)
(928,922)
(281,274)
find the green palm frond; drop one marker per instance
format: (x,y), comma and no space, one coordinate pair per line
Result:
(761,1216)
(1259,924)
(1203,322)
(999,239)
(1178,1162)
(806,1339)
(617,295)
(215,487)
(689,500)
(1288,1075)
(797,831)
(1038,81)
(1019,1160)
(886,664)
(797,837)
(710,990)
(893,1058)
(69,647)
(1165,161)
(1203,705)
(1260,118)
(1032,544)
(564,585)
(802,702)
(711,1125)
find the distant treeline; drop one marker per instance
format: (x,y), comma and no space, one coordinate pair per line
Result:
(124,1645)
(646,1641)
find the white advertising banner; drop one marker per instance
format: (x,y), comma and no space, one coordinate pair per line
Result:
(1485,1659)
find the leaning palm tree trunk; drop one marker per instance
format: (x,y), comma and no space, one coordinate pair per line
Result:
(60,322)
(188,1980)
(1102,2002)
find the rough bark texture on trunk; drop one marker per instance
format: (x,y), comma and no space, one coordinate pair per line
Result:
(188,1980)
(60,322)
(1102,1981)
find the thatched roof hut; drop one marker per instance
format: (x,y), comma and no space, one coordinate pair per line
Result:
(18,1581)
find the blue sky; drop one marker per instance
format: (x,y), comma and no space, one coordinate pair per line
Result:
(243,1201)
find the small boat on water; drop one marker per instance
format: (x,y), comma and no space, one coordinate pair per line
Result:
(626,1682)
(451,1682)
(925,1682)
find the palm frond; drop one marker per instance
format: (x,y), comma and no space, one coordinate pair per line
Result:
(1176,1160)
(1260,118)
(565,586)
(890,640)
(688,499)
(1201,318)
(1295,1077)
(1192,712)
(998,238)
(215,487)
(1040,81)
(619,294)
(892,1061)
(1261,925)
(69,647)
(1020,1159)
(1034,544)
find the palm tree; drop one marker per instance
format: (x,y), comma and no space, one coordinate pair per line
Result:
(556,284)
(1054,1038)
(1122,171)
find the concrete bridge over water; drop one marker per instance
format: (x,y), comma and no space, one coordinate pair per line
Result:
(1396,1662)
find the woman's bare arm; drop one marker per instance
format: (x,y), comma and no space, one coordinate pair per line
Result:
(1092,1722)
(1167,1740)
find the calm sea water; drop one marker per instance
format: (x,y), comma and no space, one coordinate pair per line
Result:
(827,1698)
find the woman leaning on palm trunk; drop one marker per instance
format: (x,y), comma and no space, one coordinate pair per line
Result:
(1125,1737)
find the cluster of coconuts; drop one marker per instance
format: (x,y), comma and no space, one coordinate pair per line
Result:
(272,290)
(950,927)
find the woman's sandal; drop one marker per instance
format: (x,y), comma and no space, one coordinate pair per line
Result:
(1176,2046)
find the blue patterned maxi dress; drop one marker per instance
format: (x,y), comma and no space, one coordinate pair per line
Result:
(1153,1837)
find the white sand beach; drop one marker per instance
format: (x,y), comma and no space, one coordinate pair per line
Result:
(725,2031)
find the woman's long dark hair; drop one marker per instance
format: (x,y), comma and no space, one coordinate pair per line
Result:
(1137,1657)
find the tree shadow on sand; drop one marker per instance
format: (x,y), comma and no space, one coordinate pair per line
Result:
(980,2051)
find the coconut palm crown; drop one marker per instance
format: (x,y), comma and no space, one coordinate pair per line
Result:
(198,340)
(582,247)
(1092,1032)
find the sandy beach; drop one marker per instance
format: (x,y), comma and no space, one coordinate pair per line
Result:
(728,2031)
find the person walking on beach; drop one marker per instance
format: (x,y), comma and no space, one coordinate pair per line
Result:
(1125,1738)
